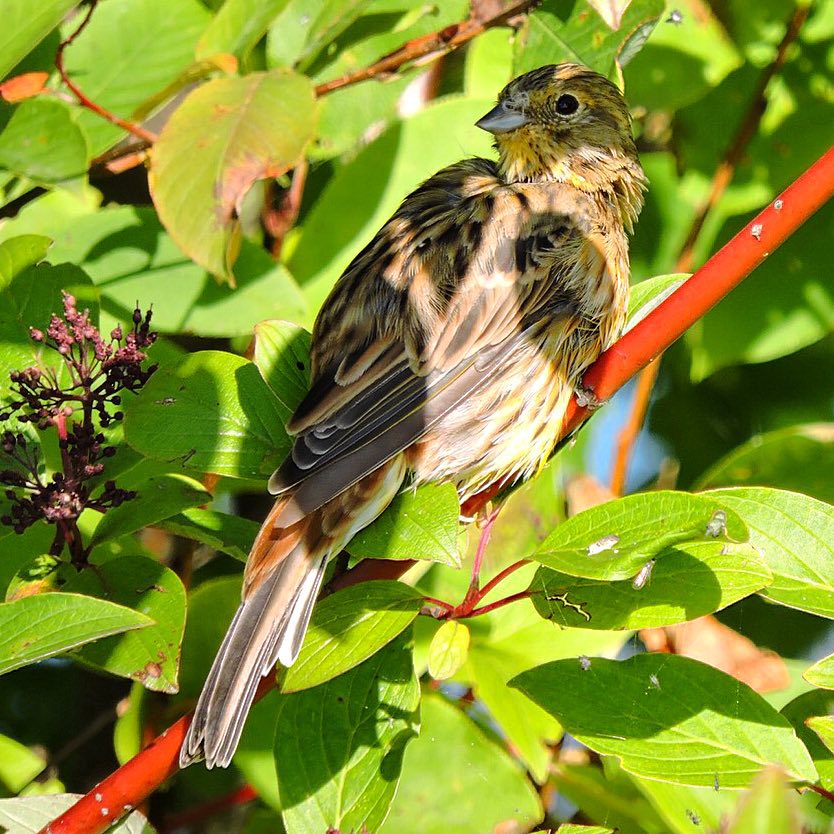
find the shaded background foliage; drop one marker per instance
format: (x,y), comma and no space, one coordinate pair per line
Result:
(270,166)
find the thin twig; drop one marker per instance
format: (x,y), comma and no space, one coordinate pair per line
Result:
(83,100)
(723,176)
(206,810)
(427,47)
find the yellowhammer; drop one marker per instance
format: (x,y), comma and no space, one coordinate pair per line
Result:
(446,352)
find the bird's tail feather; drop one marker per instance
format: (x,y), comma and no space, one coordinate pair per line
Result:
(282,580)
(269,626)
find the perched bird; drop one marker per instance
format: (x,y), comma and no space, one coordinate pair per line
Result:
(447,352)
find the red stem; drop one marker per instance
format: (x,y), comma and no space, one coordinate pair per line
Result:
(485,609)
(134,781)
(501,576)
(721,273)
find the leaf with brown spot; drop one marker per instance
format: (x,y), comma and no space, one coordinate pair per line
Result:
(225,136)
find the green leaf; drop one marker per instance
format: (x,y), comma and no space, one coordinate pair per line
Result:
(797,458)
(648,294)
(689,580)
(129,729)
(421,524)
(609,797)
(41,141)
(282,355)
(228,533)
(679,805)
(19,252)
(130,257)
(374,183)
(448,649)
(218,413)
(151,655)
(348,627)
(799,712)
(28,299)
(345,777)
(821,673)
(555,33)
(795,535)
(25,25)
(20,551)
(37,627)
(157,498)
(669,718)
(616,539)
(769,805)
(823,726)
(307,26)
(258,127)
(18,764)
(31,814)
(682,61)
(238,26)
(568,828)
(445,776)
(129,52)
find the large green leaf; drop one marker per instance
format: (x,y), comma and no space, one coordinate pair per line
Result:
(690,580)
(41,141)
(350,626)
(37,627)
(555,33)
(131,257)
(25,24)
(615,540)
(795,535)
(130,51)
(669,718)
(219,416)
(798,458)
(339,746)
(150,655)
(455,779)
(226,135)
(421,524)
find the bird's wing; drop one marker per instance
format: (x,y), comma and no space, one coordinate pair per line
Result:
(428,313)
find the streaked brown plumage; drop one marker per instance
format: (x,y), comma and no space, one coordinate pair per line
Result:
(447,351)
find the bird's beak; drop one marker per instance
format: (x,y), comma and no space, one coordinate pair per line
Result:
(501,119)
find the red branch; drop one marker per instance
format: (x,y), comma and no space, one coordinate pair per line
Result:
(134,781)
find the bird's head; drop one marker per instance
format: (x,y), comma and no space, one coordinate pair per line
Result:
(562,122)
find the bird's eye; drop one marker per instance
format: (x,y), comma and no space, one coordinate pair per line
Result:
(566,104)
